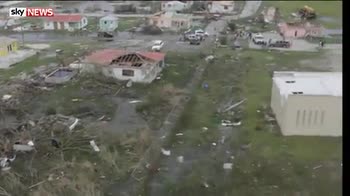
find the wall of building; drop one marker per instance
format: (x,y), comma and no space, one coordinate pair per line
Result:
(173,6)
(108,25)
(216,7)
(313,115)
(277,105)
(4,50)
(50,25)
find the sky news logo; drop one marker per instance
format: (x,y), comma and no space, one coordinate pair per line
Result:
(30,12)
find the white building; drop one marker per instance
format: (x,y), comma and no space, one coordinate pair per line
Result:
(69,22)
(135,66)
(308,103)
(221,7)
(173,6)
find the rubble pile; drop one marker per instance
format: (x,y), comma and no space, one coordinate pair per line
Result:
(47,133)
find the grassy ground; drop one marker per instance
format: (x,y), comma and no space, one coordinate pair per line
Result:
(127,23)
(272,160)
(28,64)
(329,9)
(25,66)
(161,95)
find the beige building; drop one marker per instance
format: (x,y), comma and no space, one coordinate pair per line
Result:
(171,20)
(308,103)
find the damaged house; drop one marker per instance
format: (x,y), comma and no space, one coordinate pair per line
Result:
(300,29)
(123,65)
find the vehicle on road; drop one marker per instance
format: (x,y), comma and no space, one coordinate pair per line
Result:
(200,32)
(195,40)
(157,45)
(280,44)
(258,39)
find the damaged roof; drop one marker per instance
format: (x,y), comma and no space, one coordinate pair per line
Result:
(106,56)
(65,18)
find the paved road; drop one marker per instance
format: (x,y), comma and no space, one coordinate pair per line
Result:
(250,8)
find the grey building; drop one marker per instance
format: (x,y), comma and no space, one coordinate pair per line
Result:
(308,103)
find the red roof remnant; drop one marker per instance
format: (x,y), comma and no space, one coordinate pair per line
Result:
(156,56)
(66,18)
(105,57)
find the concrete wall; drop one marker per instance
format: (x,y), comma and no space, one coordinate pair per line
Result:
(108,25)
(4,48)
(140,75)
(173,6)
(49,25)
(313,115)
(277,105)
(217,7)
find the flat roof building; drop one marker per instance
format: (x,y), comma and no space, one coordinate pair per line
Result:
(308,103)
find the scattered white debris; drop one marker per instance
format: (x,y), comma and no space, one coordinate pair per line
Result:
(129,84)
(135,101)
(163,137)
(101,118)
(22,147)
(74,124)
(341,164)
(6,97)
(50,178)
(166,152)
(94,146)
(234,105)
(158,78)
(204,128)
(214,144)
(209,58)
(232,157)
(222,140)
(237,123)
(258,111)
(76,100)
(148,165)
(180,159)
(318,166)
(32,123)
(30,143)
(227,165)
(5,168)
(3,162)
(206,185)
(179,134)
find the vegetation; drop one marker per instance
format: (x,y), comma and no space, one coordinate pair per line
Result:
(329,13)
(128,23)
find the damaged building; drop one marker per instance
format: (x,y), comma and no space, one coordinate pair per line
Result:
(123,65)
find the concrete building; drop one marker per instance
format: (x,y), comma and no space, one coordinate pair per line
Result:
(300,29)
(108,24)
(68,22)
(175,6)
(123,65)
(221,7)
(308,103)
(171,20)
(60,76)
(7,46)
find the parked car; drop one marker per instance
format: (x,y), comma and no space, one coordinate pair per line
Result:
(280,44)
(258,39)
(157,45)
(200,32)
(195,41)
